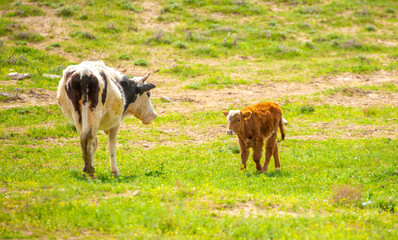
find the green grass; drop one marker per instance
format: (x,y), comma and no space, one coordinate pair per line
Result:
(180,175)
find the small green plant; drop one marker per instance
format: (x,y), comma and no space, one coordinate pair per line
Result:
(28,36)
(124,56)
(347,194)
(159,37)
(67,11)
(180,45)
(127,5)
(141,62)
(172,7)
(26,10)
(309,45)
(206,50)
(307,109)
(83,35)
(370,28)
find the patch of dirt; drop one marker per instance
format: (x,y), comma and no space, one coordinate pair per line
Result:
(327,130)
(363,99)
(37,97)
(8,83)
(195,134)
(249,209)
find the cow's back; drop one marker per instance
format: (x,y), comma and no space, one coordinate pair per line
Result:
(105,97)
(265,117)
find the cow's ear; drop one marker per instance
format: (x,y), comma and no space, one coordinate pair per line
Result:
(247,115)
(145,87)
(226,113)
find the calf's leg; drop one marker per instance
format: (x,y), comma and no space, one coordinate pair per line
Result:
(244,154)
(257,152)
(276,156)
(112,150)
(269,149)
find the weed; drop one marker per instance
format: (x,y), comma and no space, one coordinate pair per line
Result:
(172,7)
(83,35)
(370,28)
(127,5)
(206,50)
(309,45)
(389,10)
(28,36)
(180,45)
(141,62)
(307,109)
(67,11)
(26,10)
(159,37)
(124,56)
(347,194)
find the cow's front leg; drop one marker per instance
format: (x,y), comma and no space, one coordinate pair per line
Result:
(88,143)
(112,133)
(257,152)
(244,153)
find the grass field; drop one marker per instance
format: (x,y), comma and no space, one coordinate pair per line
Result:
(331,65)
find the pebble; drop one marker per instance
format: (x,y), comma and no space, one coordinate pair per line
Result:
(51,76)
(18,76)
(165,99)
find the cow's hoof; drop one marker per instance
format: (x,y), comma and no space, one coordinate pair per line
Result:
(85,175)
(115,173)
(278,169)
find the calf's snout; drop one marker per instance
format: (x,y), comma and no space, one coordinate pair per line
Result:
(230,132)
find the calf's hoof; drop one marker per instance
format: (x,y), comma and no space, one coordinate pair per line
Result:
(115,173)
(278,169)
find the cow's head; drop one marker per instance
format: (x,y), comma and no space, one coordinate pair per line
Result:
(140,103)
(235,120)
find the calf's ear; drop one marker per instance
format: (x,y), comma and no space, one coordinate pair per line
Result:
(145,87)
(226,113)
(247,115)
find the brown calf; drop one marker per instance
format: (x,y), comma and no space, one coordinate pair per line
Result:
(254,125)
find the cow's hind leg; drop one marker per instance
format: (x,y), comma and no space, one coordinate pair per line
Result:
(88,143)
(257,152)
(269,149)
(112,150)
(276,156)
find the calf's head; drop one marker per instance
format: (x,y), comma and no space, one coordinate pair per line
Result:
(138,98)
(235,119)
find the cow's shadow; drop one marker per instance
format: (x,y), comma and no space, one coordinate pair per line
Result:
(102,177)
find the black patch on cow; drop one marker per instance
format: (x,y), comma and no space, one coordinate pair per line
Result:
(87,87)
(68,74)
(130,90)
(103,97)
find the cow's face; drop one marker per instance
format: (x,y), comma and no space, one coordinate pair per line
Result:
(142,107)
(235,120)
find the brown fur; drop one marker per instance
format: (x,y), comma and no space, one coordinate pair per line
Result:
(254,125)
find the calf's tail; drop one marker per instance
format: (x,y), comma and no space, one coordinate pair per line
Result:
(281,122)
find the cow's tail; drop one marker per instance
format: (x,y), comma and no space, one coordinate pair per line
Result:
(281,128)
(82,88)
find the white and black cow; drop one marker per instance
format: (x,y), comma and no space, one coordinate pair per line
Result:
(96,97)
